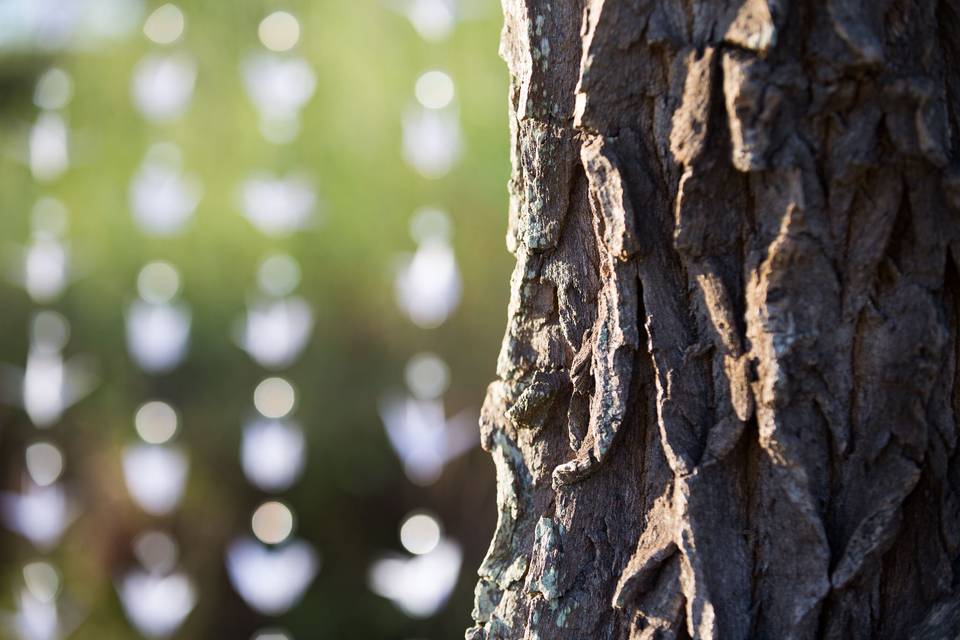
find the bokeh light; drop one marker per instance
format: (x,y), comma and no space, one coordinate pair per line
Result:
(155,476)
(433,19)
(292,205)
(44,463)
(165,25)
(279,31)
(158,282)
(50,331)
(434,90)
(49,147)
(430,223)
(272,522)
(54,89)
(420,533)
(157,551)
(273,454)
(278,274)
(274,397)
(49,216)
(43,580)
(156,422)
(427,376)
(162,86)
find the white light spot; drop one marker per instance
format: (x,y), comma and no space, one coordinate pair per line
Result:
(434,90)
(162,85)
(278,206)
(431,141)
(158,282)
(167,154)
(272,522)
(278,275)
(279,31)
(45,267)
(430,224)
(157,551)
(275,331)
(162,197)
(418,585)
(428,285)
(278,86)
(280,129)
(42,580)
(420,533)
(49,217)
(155,476)
(427,376)
(50,331)
(50,383)
(271,579)
(424,438)
(157,604)
(156,422)
(40,514)
(274,397)
(44,463)
(433,19)
(157,334)
(49,147)
(272,454)
(271,634)
(54,89)
(165,25)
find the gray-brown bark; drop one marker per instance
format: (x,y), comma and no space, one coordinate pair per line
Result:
(727,397)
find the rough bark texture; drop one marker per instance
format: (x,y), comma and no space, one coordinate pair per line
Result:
(727,398)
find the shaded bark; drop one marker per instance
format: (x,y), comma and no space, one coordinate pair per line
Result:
(726,398)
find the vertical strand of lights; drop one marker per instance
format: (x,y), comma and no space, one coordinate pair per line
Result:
(428,290)
(50,382)
(156,594)
(271,570)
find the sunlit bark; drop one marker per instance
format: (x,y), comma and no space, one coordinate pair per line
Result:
(727,391)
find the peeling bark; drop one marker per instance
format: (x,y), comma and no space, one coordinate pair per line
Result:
(727,396)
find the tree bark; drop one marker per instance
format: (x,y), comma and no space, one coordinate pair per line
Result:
(727,397)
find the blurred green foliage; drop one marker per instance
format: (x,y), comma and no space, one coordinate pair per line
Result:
(353,495)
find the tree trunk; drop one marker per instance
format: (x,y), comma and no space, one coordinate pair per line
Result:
(727,394)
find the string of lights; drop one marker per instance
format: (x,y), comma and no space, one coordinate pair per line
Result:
(171,87)
(272,569)
(427,287)
(50,382)
(157,594)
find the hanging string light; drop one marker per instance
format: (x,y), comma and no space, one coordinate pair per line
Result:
(272,569)
(277,324)
(49,383)
(157,323)
(428,284)
(278,206)
(433,20)
(156,595)
(278,82)
(427,287)
(163,197)
(431,127)
(421,582)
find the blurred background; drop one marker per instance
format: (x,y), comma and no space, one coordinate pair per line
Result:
(254,282)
